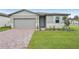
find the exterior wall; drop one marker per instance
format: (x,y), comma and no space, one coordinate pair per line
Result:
(4,21)
(24,14)
(50,22)
(37,21)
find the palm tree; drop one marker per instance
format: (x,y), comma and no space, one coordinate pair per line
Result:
(66,23)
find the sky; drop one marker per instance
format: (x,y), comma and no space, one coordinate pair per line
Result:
(73,12)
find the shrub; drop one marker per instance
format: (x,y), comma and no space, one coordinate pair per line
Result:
(5,28)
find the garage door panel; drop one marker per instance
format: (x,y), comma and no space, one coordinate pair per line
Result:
(24,23)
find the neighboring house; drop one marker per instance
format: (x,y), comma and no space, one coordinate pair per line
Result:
(4,20)
(28,19)
(74,22)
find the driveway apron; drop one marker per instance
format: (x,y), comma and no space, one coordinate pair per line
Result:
(15,38)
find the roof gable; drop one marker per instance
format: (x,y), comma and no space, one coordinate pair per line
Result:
(22,11)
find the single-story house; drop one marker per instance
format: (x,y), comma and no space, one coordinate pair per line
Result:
(31,20)
(4,20)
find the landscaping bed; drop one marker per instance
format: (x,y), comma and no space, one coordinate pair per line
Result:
(5,28)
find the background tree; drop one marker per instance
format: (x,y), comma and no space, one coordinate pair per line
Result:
(76,18)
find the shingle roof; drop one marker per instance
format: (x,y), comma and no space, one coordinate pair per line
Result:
(40,13)
(5,15)
(62,14)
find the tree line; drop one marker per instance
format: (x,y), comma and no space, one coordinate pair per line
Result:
(74,18)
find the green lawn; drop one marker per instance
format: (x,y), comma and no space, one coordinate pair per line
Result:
(4,28)
(54,39)
(74,27)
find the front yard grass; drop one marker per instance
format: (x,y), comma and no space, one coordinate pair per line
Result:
(54,40)
(5,28)
(74,27)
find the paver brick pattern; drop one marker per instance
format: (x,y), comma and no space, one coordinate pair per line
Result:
(15,38)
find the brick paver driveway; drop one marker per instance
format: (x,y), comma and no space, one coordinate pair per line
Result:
(15,38)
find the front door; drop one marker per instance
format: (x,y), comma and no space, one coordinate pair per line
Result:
(42,21)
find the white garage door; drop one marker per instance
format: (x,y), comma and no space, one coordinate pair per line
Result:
(24,23)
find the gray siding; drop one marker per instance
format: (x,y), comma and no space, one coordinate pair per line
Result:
(4,20)
(25,14)
(50,22)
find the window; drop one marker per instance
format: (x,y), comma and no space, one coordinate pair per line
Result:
(57,20)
